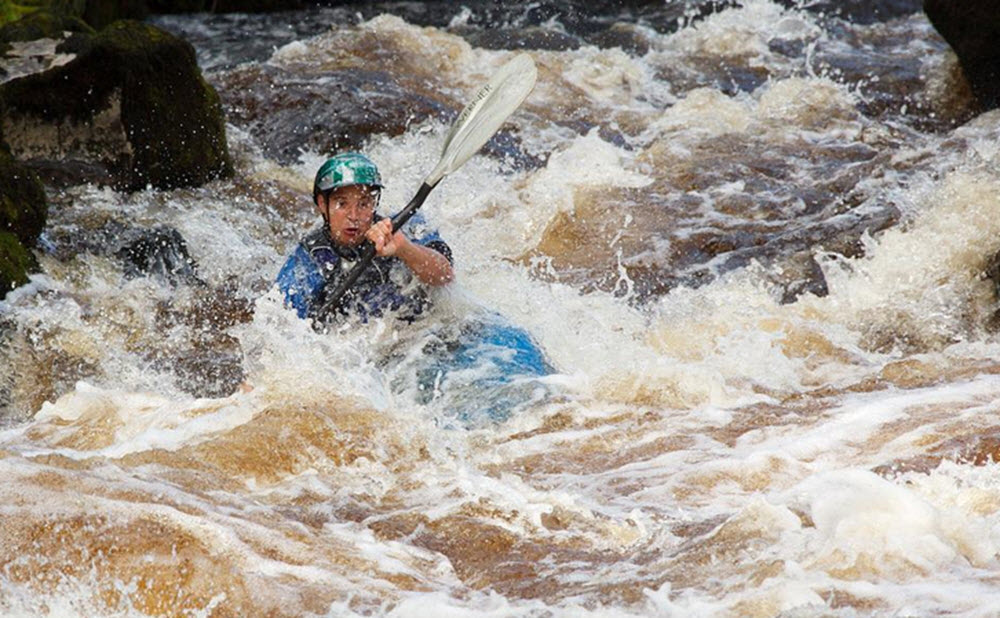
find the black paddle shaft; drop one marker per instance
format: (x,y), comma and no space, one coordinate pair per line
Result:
(332,300)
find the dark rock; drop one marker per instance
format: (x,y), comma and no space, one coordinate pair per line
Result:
(533,37)
(22,200)
(133,100)
(179,6)
(858,11)
(625,36)
(289,114)
(102,13)
(44,18)
(42,24)
(801,276)
(70,172)
(23,208)
(15,263)
(90,232)
(159,252)
(972,29)
(254,6)
(223,6)
(992,272)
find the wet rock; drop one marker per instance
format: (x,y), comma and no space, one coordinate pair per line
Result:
(15,263)
(210,362)
(158,252)
(101,13)
(992,272)
(289,115)
(69,173)
(858,11)
(624,36)
(93,14)
(42,24)
(801,274)
(795,200)
(223,6)
(534,37)
(972,29)
(132,100)
(23,208)
(577,18)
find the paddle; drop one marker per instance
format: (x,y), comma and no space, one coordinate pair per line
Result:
(480,119)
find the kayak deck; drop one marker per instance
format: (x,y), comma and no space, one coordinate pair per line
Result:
(478,372)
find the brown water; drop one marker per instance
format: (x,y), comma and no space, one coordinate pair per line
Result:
(754,251)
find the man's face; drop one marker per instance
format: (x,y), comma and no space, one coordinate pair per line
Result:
(349,211)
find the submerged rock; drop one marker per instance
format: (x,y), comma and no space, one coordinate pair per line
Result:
(159,252)
(131,101)
(766,210)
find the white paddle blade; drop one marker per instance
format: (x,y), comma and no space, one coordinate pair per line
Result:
(481,118)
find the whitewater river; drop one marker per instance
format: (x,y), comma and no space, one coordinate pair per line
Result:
(755,245)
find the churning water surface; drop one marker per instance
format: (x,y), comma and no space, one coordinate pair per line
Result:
(754,243)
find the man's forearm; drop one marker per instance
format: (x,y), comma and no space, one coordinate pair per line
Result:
(427,264)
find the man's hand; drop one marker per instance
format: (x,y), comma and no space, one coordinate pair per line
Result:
(386,243)
(427,264)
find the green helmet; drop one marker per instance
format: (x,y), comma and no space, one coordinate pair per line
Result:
(346,169)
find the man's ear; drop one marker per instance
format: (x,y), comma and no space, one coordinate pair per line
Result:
(321,207)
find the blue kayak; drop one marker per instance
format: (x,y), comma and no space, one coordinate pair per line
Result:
(480,372)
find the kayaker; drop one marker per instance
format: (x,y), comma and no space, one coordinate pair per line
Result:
(346,192)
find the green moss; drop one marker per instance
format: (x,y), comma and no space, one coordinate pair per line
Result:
(38,24)
(173,118)
(67,15)
(15,263)
(10,12)
(23,207)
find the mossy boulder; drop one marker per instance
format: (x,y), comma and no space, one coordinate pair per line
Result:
(22,200)
(95,14)
(22,217)
(133,100)
(15,263)
(42,24)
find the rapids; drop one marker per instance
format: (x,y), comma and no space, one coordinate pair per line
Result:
(755,244)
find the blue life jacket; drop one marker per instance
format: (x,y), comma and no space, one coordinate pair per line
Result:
(386,285)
